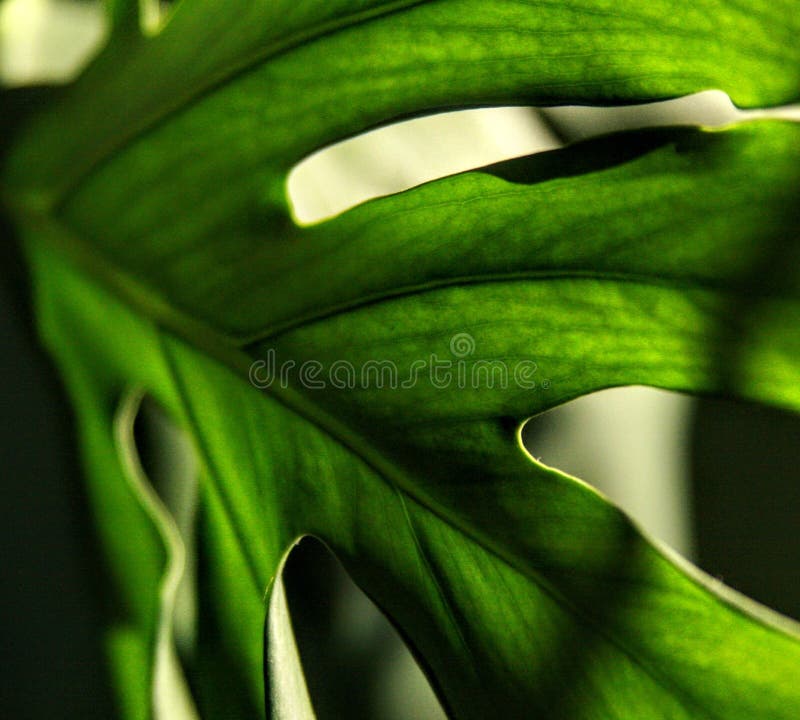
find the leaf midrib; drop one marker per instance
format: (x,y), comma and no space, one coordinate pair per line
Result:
(157,307)
(252,342)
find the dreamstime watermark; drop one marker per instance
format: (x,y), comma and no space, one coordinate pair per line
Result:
(461,370)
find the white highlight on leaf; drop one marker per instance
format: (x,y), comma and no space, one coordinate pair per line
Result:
(289,694)
(630,443)
(171,697)
(398,157)
(711,108)
(666,411)
(173,472)
(351,628)
(47,41)
(154,16)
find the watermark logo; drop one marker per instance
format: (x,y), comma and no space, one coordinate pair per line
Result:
(461,370)
(462,345)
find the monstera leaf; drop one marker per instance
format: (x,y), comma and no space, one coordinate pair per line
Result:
(364,381)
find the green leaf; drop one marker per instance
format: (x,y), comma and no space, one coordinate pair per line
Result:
(240,91)
(151,201)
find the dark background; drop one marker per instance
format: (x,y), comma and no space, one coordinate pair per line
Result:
(52,664)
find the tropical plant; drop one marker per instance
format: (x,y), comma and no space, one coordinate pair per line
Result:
(150,199)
